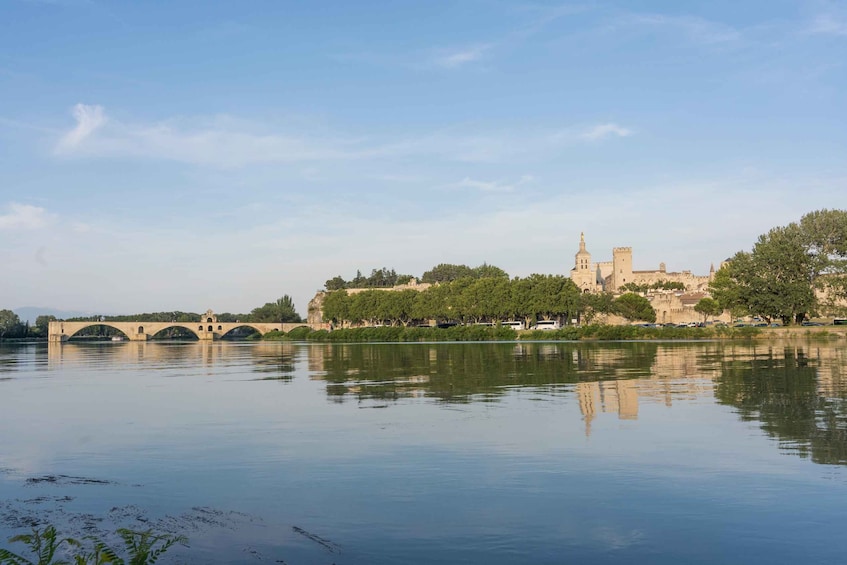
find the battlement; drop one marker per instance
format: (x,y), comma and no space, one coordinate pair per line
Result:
(617,250)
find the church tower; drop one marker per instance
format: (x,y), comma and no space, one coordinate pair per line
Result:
(582,274)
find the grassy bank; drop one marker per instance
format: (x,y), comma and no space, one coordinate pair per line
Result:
(487,333)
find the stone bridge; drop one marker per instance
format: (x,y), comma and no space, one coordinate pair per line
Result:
(206,328)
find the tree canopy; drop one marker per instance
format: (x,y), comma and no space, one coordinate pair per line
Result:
(634,307)
(467,299)
(280,311)
(792,271)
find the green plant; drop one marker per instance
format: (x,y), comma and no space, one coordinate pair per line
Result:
(43,544)
(142,548)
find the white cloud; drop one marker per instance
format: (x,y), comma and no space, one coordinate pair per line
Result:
(492,186)
(458,58)
(88,120)
(24,217)
(827,24)
(604,131)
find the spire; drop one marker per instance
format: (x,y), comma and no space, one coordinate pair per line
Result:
(582,241)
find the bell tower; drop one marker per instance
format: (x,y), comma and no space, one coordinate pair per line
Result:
(582,273)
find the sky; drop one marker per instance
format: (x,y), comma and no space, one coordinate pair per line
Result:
(186,155)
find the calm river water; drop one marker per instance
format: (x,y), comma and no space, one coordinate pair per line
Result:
(434,453)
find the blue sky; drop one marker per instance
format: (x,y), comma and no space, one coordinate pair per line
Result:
(192,155)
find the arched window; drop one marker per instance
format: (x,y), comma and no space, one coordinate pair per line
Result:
(141,329)
(220,328)
(208,320)
(210,328)
(200,328)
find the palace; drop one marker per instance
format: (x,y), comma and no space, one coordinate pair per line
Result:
(611,276)
(672,306)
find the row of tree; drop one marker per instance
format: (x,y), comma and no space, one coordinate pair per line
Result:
(486,299)
(658,285)
(387,278)
(792,272)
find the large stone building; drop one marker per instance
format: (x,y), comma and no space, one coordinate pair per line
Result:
(671,305)
(611,276)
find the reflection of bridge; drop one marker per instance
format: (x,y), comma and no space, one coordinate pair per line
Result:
(207,328)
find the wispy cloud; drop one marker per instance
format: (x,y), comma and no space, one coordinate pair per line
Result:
(695,29)
(827,24)
(453,59)
(492,186)
(24,217)
(600,132)
(224,142)
(88,120)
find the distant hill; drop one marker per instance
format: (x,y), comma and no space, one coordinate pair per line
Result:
(30,313)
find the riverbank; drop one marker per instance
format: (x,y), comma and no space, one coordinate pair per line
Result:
(569,333)
(487,333)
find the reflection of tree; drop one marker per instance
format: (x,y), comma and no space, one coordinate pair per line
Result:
(276,366)
(780,390)
(464,373)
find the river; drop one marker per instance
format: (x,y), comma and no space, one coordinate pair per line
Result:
(493,453)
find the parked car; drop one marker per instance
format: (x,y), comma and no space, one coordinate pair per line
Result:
(810,323)
(546,325)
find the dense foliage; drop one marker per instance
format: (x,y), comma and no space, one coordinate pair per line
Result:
(792,272)
(658,285)
(634,307)
(11,326)
(386,278)
(379,278)
(280,311)
(487,299)
(708,307)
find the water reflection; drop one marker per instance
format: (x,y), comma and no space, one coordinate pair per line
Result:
(797,395)
(275,361)
(796,392)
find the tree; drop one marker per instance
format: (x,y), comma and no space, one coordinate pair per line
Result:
(42,324)
(276,312)
(634,307)
(825,235)
(336,307)
(591,304)
(791,271)
(772,281)
(489,271)
(335,283)
(708,307)
(445,272)
(10,324)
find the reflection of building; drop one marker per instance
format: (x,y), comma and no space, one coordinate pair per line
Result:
(676,373)
(607,397)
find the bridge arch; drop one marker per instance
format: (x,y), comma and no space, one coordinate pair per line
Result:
(253,327)
(121,331)
(160,327)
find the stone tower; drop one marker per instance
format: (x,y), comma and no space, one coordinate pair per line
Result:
(621,267)
(582,274)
